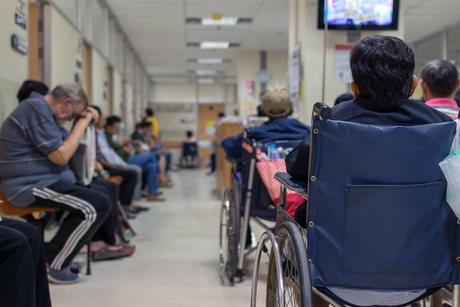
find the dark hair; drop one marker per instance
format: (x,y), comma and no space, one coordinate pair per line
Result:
(30,86)
(149,112)
(99,112)
(145,125)
(440,76)
(112,120)
(344,97)
(189,133)
(382,68)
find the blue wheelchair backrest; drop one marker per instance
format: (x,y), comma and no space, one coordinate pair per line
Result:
(189,149)
(377,216)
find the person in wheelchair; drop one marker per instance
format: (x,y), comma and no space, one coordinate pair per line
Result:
(189,156)
(383,80)
(277,106)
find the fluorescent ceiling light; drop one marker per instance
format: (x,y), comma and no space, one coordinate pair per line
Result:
(202,72)
(206,81)
(210,61)
(214,45)
(223,21)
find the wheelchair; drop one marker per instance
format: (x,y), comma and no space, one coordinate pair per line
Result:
(377,218)
(190,157)
(247,199)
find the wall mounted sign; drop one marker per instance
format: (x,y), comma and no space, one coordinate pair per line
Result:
(20,21)
(19,44)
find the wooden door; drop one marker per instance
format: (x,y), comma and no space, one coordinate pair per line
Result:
(208,116)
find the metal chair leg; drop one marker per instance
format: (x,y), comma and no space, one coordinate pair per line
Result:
(88,259)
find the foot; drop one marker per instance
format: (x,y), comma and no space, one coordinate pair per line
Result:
(154,197)
(141,208)
(113,252)
(62,277)
(166,184)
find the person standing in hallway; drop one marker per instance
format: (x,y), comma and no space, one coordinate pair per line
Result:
(34,170)
(439,82)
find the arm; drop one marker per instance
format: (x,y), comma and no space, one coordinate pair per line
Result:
(232,146)
(62,155)
(297,161)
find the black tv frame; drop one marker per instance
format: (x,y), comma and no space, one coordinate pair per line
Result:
(391,27)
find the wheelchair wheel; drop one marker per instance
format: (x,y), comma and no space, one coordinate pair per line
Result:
(229,234)
(293,257)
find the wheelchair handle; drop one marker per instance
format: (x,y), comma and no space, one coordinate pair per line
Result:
(322,110)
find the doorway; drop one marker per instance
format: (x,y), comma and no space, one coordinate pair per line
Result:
(208,116)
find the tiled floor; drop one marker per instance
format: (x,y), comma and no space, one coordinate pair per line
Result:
(176,261)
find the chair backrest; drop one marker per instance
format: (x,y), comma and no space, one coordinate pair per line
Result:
(189,149)
(260,202)
(377,216)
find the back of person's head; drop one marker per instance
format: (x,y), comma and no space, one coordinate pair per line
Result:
(145,125)
(441,78)
(30,86)
(344,97)
(276,102)
(112,120)
(382,68)
(149,112)
(70,90)
(189,133)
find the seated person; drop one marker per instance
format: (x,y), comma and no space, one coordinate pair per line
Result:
(130,188)
(147,161)
(189,150)
(382,69)
(22,266)
(277,106)
(34,170)
(439,82)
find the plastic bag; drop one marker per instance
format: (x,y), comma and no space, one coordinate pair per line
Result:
(450,166)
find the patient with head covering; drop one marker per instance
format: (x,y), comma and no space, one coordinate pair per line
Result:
(277,106)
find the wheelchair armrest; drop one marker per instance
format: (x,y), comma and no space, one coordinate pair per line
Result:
(290,184)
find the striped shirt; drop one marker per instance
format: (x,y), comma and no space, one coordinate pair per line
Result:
(445,105)
(27,137)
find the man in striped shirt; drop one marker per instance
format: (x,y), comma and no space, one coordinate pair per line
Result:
(439,82)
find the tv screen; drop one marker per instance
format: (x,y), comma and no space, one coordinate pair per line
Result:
(358,14)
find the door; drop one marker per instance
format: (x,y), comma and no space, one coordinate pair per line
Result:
(208,116)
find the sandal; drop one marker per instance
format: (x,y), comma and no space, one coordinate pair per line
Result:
(106,254)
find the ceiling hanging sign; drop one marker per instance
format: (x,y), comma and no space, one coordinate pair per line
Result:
(20,44)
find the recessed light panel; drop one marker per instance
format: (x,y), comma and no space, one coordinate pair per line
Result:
(214,45)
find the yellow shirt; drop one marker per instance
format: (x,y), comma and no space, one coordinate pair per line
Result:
(155,130)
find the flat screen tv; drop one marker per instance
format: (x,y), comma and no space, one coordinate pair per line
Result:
(358,14)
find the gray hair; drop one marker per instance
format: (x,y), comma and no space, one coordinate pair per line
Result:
(70,90)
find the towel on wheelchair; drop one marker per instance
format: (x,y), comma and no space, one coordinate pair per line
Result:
(267,170)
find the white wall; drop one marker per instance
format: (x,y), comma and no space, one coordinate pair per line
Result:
(129,109)
(117,93)
(313,51)
(63,49)
(176,104)
(14,69)
(248,68)
(99,81)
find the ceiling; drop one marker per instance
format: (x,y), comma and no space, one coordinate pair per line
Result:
(159,34)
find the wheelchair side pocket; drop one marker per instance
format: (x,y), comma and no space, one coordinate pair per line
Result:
(383,233)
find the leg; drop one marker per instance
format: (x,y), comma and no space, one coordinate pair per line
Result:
(88,209)
(128,186)
(106,232)
(17,270)
(137,189)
